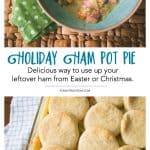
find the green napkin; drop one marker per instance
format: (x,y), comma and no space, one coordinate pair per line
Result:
(30,19)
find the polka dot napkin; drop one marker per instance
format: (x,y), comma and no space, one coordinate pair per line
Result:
(30,19)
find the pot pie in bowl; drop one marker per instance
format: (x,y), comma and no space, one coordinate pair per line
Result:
(83,123)
(89,15)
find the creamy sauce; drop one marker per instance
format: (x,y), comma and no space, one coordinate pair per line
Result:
(74,8)
(106,9)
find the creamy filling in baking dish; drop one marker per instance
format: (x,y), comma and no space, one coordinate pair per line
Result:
(91,11)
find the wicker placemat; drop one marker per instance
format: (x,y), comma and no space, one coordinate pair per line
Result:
(130,34)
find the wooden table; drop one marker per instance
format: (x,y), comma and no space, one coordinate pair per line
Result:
(7,109)
(129,34)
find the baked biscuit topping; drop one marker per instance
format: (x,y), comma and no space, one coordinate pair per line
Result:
(90,123)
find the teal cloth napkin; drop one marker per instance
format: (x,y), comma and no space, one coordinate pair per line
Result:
(30,20)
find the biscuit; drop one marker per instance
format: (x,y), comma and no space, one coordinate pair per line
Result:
(134,103)
(128,147)
(120,140)
(59,129)
(53,147)
(133,128)
(104,115)
(96,139)
(78,106)
(117,101)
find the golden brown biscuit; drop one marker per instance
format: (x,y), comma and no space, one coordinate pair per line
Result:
(133,128)
(59,129)
(116,100)
(96,139)
(134,103)
(128,147)
(78,106)
(53,147)
(104,115)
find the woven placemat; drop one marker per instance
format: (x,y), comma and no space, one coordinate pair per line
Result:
(129,34)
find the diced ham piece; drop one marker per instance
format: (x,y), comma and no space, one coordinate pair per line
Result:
(93,17)
(89,11)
